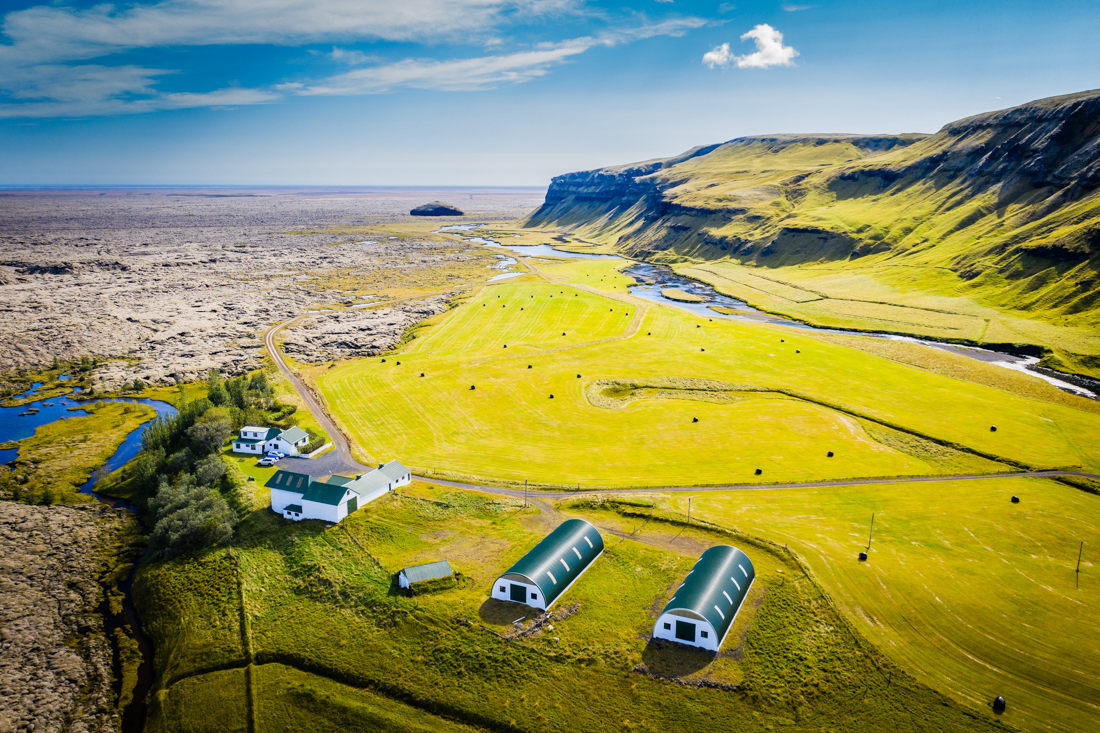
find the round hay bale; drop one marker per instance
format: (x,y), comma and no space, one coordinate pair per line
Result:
(695,419)
(701,349)
(551,396)
(398,363)
(506,346)
(563,333)
(829,454)
(528,366)
(383,361)
(759,471)
(697,325)
(798,351)
(472,387)
(1015,500)
(992,428)
(422,374)
(782,341)
(998,704)
(862,556)
(578,376)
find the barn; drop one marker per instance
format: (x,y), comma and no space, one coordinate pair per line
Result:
(298,496)
(545,573)
(706,603)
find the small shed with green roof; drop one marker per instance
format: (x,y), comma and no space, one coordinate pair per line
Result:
(705,605)
(545,573)
(427,577)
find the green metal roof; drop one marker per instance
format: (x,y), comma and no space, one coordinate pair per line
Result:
(293,508)
(428,571)
(560,558)
(293,435)
(289,481)
(716,587)
(249,441)
(323,493)
(339,480)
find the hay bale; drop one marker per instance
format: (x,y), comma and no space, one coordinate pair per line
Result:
(551,396)
(759,471)
(992,428)
(695,419)
(472,386)
(578,376)
(862,556)
(422,374)
(829,454)
(383,361)
(1015,500)
(528,366)
(999,704)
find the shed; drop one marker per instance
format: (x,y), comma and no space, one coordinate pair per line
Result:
(551,567)
(706,603)
(423,573)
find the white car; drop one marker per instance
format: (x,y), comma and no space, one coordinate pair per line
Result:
(266,461)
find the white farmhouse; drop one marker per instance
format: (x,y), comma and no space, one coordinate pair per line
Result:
(264,440)
(297,496)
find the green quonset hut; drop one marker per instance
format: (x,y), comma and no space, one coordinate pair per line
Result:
(543,575)
(706,603)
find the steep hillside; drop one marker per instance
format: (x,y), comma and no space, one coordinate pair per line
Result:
(992,225)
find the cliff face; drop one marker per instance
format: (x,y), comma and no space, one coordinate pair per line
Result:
(1008,201)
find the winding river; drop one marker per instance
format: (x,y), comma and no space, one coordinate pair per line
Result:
(17,423)
(652,280)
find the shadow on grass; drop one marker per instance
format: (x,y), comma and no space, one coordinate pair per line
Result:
(669,659)
(503,613)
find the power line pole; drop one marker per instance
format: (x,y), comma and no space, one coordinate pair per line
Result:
(872,531)
(1079,551)
(524,493)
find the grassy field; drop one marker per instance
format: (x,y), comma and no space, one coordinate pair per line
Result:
(976,595)
(764,398)
(333,645)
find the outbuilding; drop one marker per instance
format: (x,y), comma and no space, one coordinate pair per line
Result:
(706,603)
(264,440)
(545,573)
(298,496)
(427,573)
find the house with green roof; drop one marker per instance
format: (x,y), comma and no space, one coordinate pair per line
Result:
(259,441)
(298,496)
(705,605)
(550,568)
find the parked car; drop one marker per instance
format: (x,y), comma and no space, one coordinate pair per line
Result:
(266,461)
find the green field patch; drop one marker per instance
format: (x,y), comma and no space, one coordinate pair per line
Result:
(210,703)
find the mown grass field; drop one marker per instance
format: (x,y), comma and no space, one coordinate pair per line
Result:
(787,399)
(975,595)
(332,645)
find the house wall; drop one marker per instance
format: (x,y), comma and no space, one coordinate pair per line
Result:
(539,601)
(376,494)
(403,581)
(280,445)
(248,447)
(325,512)
(280,498)
(712,641)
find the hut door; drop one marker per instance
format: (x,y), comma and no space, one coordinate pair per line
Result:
(685,631)
(519,593)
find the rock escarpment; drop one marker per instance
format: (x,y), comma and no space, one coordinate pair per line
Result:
(55,659)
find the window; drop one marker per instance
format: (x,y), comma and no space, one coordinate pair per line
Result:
(534,596)
(668,627)
(502,589)
(703,634)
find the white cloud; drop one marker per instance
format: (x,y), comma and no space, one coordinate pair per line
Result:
(770,51)
(796,8)
(482,72)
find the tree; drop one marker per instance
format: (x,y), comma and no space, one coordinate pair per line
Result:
(56,363)
(210,470)
(189,517)
(215,390)
(208,434)
(180,461)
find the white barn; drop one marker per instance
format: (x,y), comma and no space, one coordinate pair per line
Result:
(297,496)
(705,605)
(264,440)
(544,574)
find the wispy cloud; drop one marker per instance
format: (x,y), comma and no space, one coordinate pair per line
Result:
(482,72)
(790,8)
(770,51)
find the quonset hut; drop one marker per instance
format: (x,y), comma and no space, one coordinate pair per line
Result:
(543,575)
(706,603)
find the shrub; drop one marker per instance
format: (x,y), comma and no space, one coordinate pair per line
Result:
(189,517)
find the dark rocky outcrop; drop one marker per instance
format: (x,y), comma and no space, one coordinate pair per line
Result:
(437,208)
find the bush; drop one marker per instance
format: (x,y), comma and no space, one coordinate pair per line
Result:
(189,517)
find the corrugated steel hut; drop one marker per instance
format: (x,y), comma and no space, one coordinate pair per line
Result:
(706,603)
(543,575)
(427,572)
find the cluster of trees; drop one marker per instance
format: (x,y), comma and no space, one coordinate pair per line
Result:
(249,399)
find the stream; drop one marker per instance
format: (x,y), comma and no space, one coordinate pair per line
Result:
(17,423)
(652,280)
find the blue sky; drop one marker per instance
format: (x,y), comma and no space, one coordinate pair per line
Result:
(492,92)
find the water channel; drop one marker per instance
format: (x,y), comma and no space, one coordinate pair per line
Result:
(653,280)
(17,423)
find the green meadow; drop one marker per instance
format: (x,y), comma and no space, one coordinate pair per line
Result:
(311,633)
(628,381)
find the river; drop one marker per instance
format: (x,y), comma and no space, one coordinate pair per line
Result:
(652,280)
(17,423)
